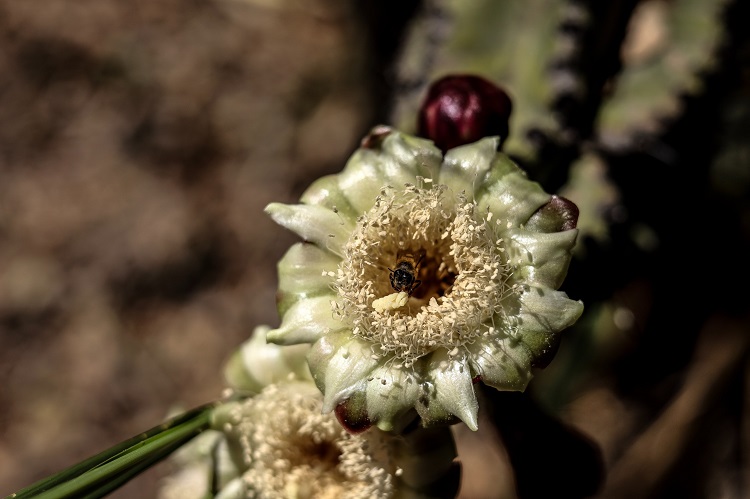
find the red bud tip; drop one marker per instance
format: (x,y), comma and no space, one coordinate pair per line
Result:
(461,109)
(353,421)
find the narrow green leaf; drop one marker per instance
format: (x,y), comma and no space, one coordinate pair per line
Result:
(110,469)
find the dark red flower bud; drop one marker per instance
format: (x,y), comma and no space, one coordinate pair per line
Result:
(461,109)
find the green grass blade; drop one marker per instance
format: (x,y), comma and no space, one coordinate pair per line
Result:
(117,481)
(104,472)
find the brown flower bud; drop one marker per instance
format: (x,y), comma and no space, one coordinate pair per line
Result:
(461,109)
(557,215)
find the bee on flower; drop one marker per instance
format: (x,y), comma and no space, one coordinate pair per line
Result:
(395,338)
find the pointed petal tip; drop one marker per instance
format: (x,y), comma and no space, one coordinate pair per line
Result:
(469,416)
(313,223)
(452,395)
(331,400)
(295,333)
(472,425)
(276,336)
(273,208)
(278,212)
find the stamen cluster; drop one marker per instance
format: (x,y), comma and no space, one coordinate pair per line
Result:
(463,267)
(292,450)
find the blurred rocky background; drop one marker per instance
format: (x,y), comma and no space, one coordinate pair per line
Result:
(140,141)
(139,144)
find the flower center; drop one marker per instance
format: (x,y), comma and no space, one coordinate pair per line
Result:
(299,452)
(436,248)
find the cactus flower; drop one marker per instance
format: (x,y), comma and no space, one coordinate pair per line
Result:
(421,275)
(272,440)
(289,448)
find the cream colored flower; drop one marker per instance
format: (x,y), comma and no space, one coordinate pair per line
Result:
(290,449)
(275,442)
(470,241)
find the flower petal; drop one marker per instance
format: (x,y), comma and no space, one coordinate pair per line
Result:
(312,223)
(301,274)
(543,313)
(465,167)
(405,157)
(508,193)
(451,391)
(306,321)
(541,258)
(557,215)
(235,489)
(258,364)
(391,393)
(340,364)
(361,180)
(397,161)
(326,192)
(504,364)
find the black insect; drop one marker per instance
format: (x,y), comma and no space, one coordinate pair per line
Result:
(404,276)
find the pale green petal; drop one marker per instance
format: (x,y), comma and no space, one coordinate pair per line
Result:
(236,489)
(449,390)
(543,313)
(397,161)
(306,321)
(316,224)
(340,364)
(405,157)
(504,364)
(258,364)
(226,465)
(391,392)
(326,192)
(362,180)
(464,168)
(509,194)
(301,274)
(541,258)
